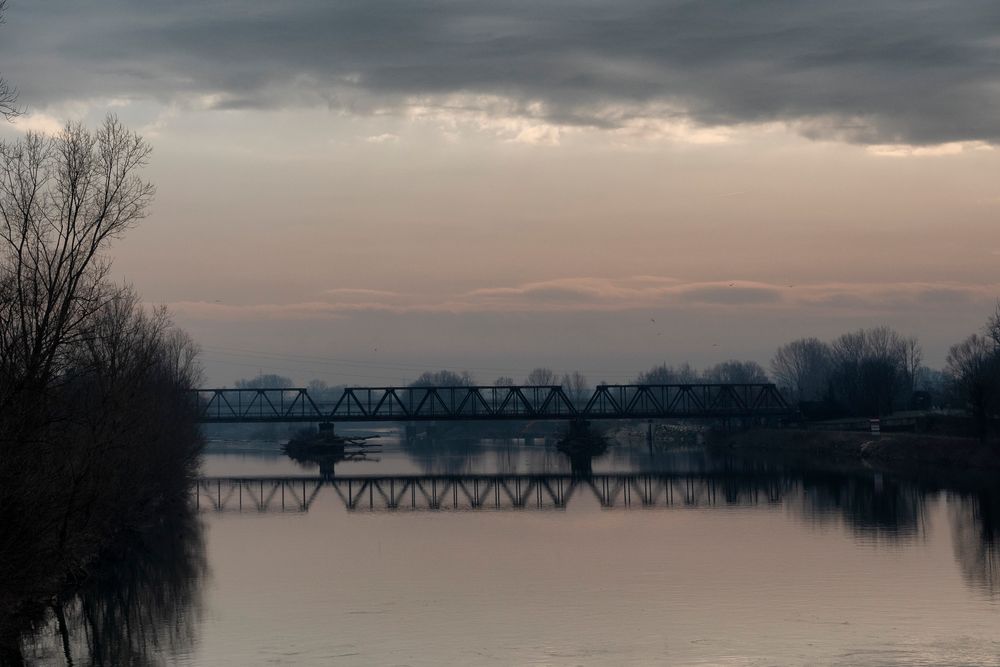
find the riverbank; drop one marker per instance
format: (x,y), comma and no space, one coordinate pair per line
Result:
(891,451)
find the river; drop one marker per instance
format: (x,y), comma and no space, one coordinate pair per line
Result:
(493,553)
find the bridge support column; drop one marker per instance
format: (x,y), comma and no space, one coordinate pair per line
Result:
(326,427)
(649,432)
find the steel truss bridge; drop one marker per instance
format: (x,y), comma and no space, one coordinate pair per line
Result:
(413,404)
(488,492)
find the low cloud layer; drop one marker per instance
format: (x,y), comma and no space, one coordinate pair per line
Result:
(641,293)
(891,73)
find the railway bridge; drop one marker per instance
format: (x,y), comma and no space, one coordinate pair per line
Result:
(491,403)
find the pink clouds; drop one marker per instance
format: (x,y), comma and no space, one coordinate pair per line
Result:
(593,294)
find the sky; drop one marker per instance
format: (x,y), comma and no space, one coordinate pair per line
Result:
(360,191)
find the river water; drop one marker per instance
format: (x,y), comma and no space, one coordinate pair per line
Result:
(494,553)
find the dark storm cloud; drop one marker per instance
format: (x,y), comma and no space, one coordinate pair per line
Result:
(914,71)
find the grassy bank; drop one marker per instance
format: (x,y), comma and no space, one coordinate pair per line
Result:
(895,450)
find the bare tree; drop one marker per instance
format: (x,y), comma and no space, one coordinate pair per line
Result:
(576,387)
(869,370)
(265,381)
(444,378)
(97,427)
(993,326)
(736,372)
(666,374)
(504,381)
(974,367)
(802,367)
(8,94)
(541,377)
(62,200)
(913,357)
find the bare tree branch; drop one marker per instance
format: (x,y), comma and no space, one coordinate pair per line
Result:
(62,200)
(8,93)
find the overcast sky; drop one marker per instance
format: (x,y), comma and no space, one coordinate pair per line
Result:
(358,191)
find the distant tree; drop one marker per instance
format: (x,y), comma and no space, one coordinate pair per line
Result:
(8,94)
(541,377)
(993,326)
(321,391)
(802,368)
(974,367)
(736,372)
(666,374)
(444,378)
(913,357)
(662,374)
(931,380)
(265,381)
(504,381)
(317,387)
(576,387)
(934,382)
(869,370)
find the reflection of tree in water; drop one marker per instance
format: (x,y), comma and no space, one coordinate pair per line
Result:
(872,505)
(869,504)
(140,603)
(581,444)
(975,521)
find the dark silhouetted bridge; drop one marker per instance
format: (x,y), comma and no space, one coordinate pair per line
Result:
(412,404)
(490,492)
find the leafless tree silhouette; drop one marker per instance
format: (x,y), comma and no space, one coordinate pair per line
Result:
(802,367)
(576,387)
(737,372)
(974,367)
(62,200)
(8,94)
(542,377)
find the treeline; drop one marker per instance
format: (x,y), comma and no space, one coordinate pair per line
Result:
(97,435)
(865,373)
(974,373)
(868,372)
(873,372)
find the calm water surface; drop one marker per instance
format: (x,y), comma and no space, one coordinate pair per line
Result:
(726,563)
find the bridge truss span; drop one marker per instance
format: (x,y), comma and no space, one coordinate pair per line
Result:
(478,403)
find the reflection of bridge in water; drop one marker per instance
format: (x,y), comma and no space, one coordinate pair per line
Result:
(490,492)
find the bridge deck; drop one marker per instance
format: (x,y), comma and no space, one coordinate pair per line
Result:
(410,404)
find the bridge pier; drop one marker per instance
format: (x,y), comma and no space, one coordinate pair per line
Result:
(582,444)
